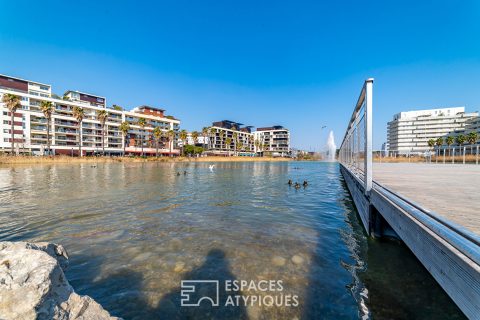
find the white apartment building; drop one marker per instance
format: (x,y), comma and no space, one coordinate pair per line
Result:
(409,132)
(229,138)
(201,141)
(273,141)
(66,134)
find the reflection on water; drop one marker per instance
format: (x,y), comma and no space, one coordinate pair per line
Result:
(134,231)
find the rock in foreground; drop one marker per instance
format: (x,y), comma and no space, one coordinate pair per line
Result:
(33,285)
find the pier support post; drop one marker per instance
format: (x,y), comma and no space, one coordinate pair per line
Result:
(368,135)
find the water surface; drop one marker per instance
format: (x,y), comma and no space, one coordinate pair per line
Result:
(135,230)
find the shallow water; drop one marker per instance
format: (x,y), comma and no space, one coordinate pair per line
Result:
(134,231)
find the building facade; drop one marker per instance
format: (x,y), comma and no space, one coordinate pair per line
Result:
(409,132)
(67,135)
(273,141)
(229,138)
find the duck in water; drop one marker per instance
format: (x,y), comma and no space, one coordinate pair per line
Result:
(297,185)
(184,172)
(305,183)
(178,173)
(290,182)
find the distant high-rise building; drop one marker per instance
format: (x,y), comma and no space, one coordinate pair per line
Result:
(409,132)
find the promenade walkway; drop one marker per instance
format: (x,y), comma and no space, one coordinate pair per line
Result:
(450,190)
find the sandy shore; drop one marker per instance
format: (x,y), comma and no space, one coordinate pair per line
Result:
(7,160)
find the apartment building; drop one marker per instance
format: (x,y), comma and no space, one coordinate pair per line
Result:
(409,132)
(230,138)
(273,141)
(67,135)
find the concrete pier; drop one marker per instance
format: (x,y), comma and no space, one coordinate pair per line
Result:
(435,211)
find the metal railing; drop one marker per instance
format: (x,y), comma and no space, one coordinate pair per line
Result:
(356,148)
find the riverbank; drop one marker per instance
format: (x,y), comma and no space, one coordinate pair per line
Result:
(7,160)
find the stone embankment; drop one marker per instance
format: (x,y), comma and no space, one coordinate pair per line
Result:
(33,285)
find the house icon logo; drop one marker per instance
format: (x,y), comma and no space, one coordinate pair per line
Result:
(193,292)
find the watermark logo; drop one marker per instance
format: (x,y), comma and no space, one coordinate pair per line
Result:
(195,291)
(235,293)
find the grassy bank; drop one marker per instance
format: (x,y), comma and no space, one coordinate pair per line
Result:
(6,160)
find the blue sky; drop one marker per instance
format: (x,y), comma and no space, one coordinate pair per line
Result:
(300,64)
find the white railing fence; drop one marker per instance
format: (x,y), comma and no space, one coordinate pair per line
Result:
(356,148)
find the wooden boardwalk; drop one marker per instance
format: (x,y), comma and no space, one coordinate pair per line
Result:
(450,190)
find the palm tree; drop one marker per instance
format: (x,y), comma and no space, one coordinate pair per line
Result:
(235,141)
(79,114)
(195,135)
(439,143)
(221,135)
(157,134)
(257,144)
(205,135)
(472,138)
(102,116)
(431,143)
(460,139)
(124,128)
(47,109)
(183,136)
(228,143)
(12,102)
(141,123)
(171,137)
(213,132)
(449,141)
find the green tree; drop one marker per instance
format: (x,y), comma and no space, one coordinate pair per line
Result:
(235,141)
(195,135)
(213,133)
(221,136)
(157,134)
(79,114)
(431,143)
(12,102)
(116,107)
(460,139)
(142,123)
(171,138)
(228,144)
(47,109)
(205,135)
(449,141)
(102,116)
(124,128)
(183,135)
(472,138)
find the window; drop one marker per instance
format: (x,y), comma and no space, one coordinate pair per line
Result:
(5,113)
(44,88)
(6,131)
(6,122)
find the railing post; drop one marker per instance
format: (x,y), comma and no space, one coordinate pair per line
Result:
(368,135)
(476,157)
